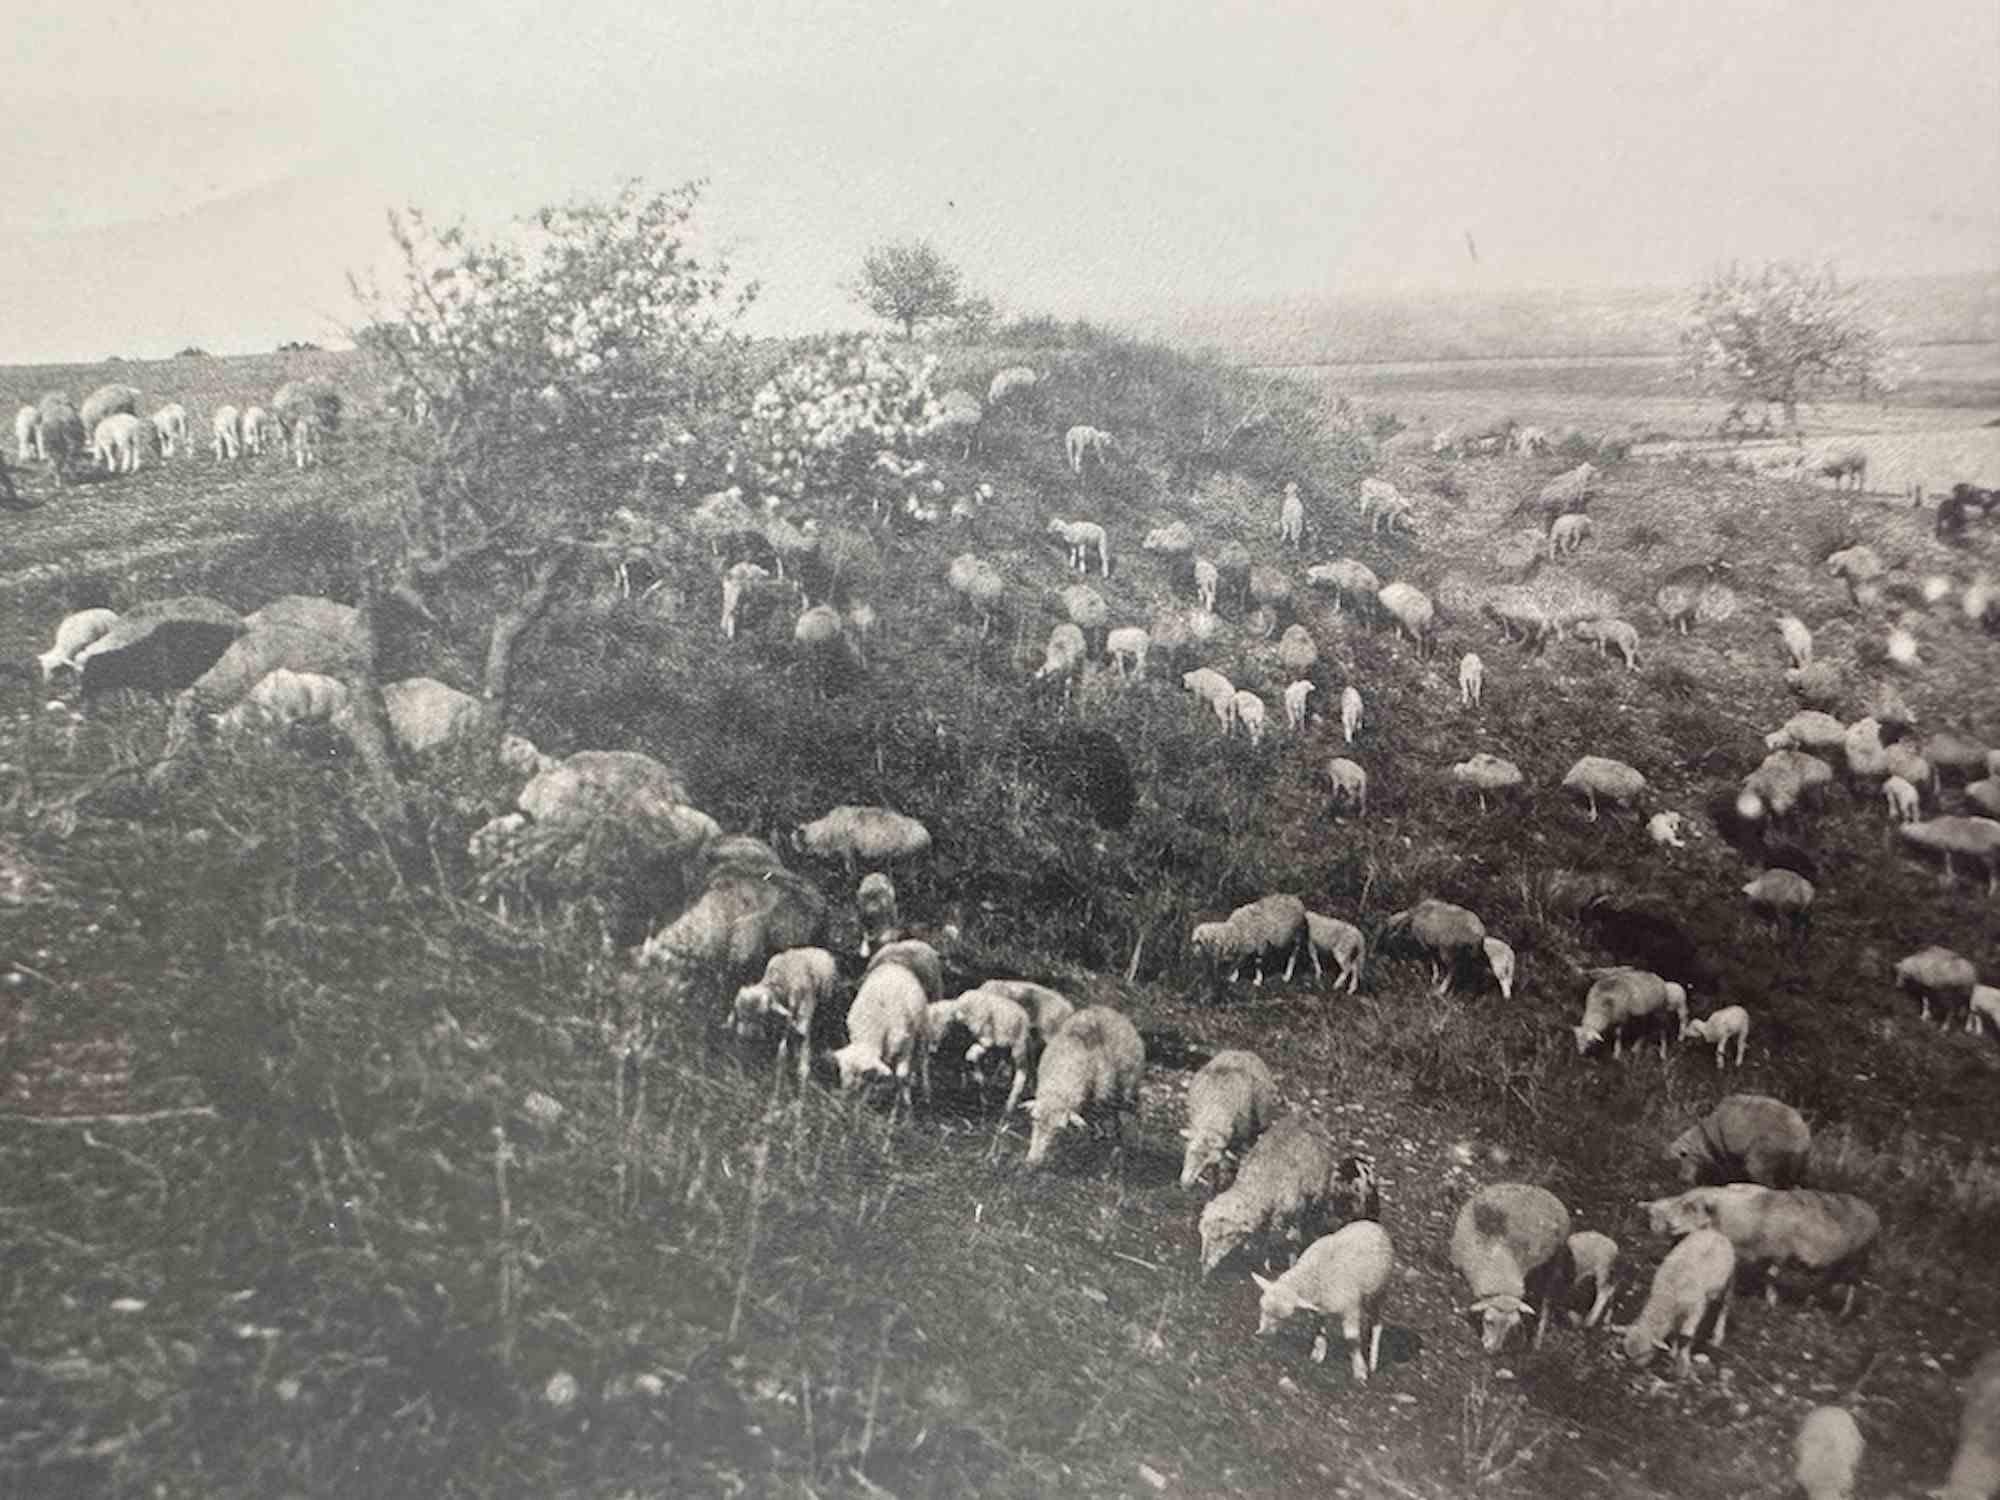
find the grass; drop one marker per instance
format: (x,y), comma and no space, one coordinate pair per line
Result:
(473,1216)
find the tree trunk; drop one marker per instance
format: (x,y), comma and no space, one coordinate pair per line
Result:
(508,628)
(369,729)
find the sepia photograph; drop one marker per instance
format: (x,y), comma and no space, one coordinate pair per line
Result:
(1101,751)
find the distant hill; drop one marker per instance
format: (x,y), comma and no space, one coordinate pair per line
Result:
(1364,328)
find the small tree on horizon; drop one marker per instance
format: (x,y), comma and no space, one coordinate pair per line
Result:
(908,282)
(1784,334)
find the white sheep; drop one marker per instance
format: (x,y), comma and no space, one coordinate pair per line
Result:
(1342,1275)
(1975,1468)
(1091,1068)
(1080,537)
(1826,1453)
(305,435)
(1600,776)
(886,1031)
(1376,494)
(997,1024)
(1606,633)
(1127,646)
(1350,784)
(870,835)
(1230,1102)
(1250,714)
(1781,893)
(226,432)
(1621,998)
(1593,1257)
(1292,518)
(796,982)
(1746,1137)
(1808,730)
(25,420)
(170,428)
(1206,579)
(1982,1009)
(916,955)
(1695,1276)
(1976,839)
(1258,930)
(1904,804)
(257,429)
(1798,640)
(1350,712)
(1048,1010)
(1566,533)
(1508,1243)
(875,905)
(976,581)
(1063,657)
(739,580)
(282,699)
(1528,441)
(1345,577)
(1731,1023)
(1005,382)
(1290,1186)
(1411,609)
(1081,441)
(73,634)
(1665,829)
(1217,691)
(1340,943)
(1450,935)
(1936,973)
(1175,539)
(1471,679)
(1824,1232)
(1484,773)
(119,442)
(1296,694)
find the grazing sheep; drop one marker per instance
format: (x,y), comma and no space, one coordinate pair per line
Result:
(1568,491)
(257,428)
(1292,518)
(1783,894)
(1401,510)
(1975,1468)
(1826,1453)
(306,433)
(1250,713)
(1592,1257)
(1376,495)
(1825,1232)
(283,698)
(1217,691)
(1080,537)
(73,634)
(1127,646)
(1982,1009)
(978,583)
(872,835)
(108,401)
(24,434)
(170,428)
(1901,797)
(1296,694)
(1411,609)
(1600,776)
(1508,1243)
(1732,1022)
(1471,679)
(1350,784)
(1745,1138)
(1342,1275)
(1350,713)
(1679,599)
(796,982)
(1205,580)
(1849,463)
(226,432)
(1808,730)
(1858,567)
(1977,839)
(1259,930)
(1292,1185)
(1985,795)
(1340,943)
(1529,441)
(1486,773)
(1664,829)
(1695,1277)
(1048,1010)
(1063,657)
(1085,607)
(1566,533)
(997,1024)
(1450,936)
(1936,973)
(60,436)
(916,955)
(1229,1104)
(885,1029)
(119,442)
(1964,758)
(1082,441)
(1798,640)
(1622,999)
(1009,380)
(1091,1069)
(1173,540)
(1297,653)
(1607,633)
(875,904)
(1345,578)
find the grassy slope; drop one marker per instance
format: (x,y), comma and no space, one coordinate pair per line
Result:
(916,1304)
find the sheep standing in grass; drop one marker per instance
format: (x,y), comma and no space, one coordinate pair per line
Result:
(1293,1185)
(1782,895)
(1411,609)
(875,904)
(1600,776)
(1808,730)
(1509,1243)
(24,434)
(1297,652)
(1260,930)
(1173,540)
(1592,1258)
(1798,640)
(1376,494)
(869,835)
(1982,1010)
(1731,1023)
(1063,658)
(796,982)
(1905,806)
(1746,1137)
(1292,518)
(1568,491)
(107,401)
(1471,679)
(1048,1010)
(73,633)
(1350,784)
(1009,380)
(226,432)
(1339,943)
(1083,441)
(1230,1102)
(170,428)
(1694,1278)
(885,1029)
(256,429)
(1566,533)
(1486,773)
(1250,714)
(1939,974)
(1343,1275)
(1830,1233)
(998,1025)
(1346,579)
(1976,839)
(977,582)
(1623,999)
(1826,1454)
(1296,694)
(1080,537)
(1091,1070)
(1205,581)
(1217,691)
(1127,647)
(1975,1468)
(119,442)
(1450,936)
(1607,633)
(1350,713)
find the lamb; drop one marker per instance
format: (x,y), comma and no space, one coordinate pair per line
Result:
(1350,713)
(226,432)
(1936,973)
(283,698)
(1982,1009)
(1798,640)
(1600,776)
(1808,730)
(170,428)
(1569,490)
(1261,929)
(1091,1069)
(997,1024)
(886,1031)
(1732,1022)
(1376,494)
(1205,580)
(1695,1276)
(796,982)
(1903,802)
(76,631)
(875,904)
(1975,1468)
(1339,942)
(1745,1138)
(1825,1232)
(1471,679)
(1350,784)
(1528,441)
(1048,1010)
(1007,381)
(870,834)
(916,955)
(1782,893)
(1826,1453)
(1411,609)
(1296,694)
(1229,1104)
(1080,537)
(1606,633)
(1064,657)
(1567,531)
(1292,518)
(1592,1257)
(1664,829)
(1508,1243)
(1858,567)
(1346,578)
(119,442)
(1343,1275)
(1292,1185)
(1450,935)
(1217,691)
(1128,645)
(1081,441)
(257,429)
(1977,839)
(1621,998)
(24,434)
(1250,713)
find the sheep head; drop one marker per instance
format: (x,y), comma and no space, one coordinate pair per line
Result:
(1500,957)
(857,1063)
(1499,1315)
(1276,1304)
(1586,1038)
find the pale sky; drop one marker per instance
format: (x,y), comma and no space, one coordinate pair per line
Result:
(206,172)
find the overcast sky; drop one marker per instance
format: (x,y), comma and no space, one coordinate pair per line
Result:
(205,172)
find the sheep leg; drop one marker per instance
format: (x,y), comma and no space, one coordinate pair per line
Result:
(1598,1304)
(1721,1317)
(1292,962)
(1351,1330)
(1375,1347)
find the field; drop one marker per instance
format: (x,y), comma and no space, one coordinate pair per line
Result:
(345,1246)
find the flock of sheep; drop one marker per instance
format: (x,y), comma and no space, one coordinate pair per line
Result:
(108,430)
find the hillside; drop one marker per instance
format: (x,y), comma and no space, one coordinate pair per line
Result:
(370,1269)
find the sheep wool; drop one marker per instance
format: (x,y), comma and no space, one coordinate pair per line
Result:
(1830,1233)
(1342,1275)
(1694,1277)
(1827,1453)
(1507,1243)
(1229,1103)
(1091,1069)
(1289,1185)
